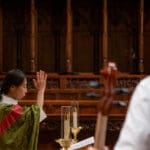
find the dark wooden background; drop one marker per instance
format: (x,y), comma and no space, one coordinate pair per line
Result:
(87,35)
(123,48)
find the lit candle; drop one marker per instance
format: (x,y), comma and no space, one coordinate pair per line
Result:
(75,119)
(66,126)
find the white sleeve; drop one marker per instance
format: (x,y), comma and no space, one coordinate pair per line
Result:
(135,134)
(42,115)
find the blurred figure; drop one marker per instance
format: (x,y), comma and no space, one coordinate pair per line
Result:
(135,134)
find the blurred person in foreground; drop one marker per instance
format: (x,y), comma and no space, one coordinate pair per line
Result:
(135,134)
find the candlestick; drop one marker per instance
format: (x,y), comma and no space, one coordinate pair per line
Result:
(65,122)
(65,143)
(75,132)
(66,126)
(75,117)
(75,129)
(74,112)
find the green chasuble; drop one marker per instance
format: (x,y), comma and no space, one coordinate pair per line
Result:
(19,127)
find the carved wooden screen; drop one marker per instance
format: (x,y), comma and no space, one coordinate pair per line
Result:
(125,40)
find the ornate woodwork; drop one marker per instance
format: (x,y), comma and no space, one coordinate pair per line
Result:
(127,29)
(69,37)
(33,39)
(141,37)
(77,86)
(105,33)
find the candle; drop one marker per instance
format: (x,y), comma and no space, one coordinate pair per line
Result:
(66,127)
(75,119)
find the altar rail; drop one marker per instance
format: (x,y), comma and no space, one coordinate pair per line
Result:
(76,86)
(87,107)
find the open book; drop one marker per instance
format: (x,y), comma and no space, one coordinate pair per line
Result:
(82,144)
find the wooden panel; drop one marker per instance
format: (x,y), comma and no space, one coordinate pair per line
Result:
(123,34)
(25,52)
(87,107)
(147,52)
(13,29)
(9,54)
(147,36)
(46,50)
(120,44)
(83,53)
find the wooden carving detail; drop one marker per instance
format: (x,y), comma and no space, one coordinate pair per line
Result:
(127,82)
(76,83)
(53,84)
(78,87)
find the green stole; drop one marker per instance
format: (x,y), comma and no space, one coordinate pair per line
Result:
(19,127)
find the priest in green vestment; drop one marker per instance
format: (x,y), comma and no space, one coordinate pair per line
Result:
(19,126)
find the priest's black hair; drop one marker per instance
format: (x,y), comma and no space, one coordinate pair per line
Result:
(14,77)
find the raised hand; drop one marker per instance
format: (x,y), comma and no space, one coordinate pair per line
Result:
(40,81)
(40,85)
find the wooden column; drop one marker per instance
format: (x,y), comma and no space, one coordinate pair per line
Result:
(96,52)
(1,37)
(69,38)
(105,34)
(33,39)
(141,37)
(57,51)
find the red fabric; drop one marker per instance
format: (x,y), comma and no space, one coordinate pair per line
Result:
(10,118)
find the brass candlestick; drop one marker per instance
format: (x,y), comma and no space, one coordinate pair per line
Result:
(65,143)
(75,132)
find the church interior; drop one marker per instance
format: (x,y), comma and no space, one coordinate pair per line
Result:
(72,40)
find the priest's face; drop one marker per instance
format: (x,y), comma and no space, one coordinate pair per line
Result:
(18,92)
